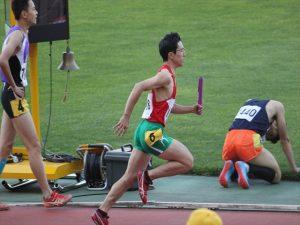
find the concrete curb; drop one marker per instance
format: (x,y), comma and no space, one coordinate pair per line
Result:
(183,205)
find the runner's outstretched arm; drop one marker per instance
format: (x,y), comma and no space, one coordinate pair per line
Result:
(159,80)
(180,109)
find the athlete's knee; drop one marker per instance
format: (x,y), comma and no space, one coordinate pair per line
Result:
(128,179)
(272,175)
(5,149)
(191,163)
(188,163)
(277,177)
(34,147)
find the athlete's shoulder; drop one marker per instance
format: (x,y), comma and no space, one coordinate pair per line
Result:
(164,72)
(164,76)
(15,36)
(275,107)
(166,67)
(275,103)
(16,30)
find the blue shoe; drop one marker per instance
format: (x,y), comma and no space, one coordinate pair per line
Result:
(226,173)
(242,169)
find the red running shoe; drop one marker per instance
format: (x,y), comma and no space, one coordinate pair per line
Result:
(242,169)
(143,183)
(226,173)
(57,200)
(3,207)
(99,219)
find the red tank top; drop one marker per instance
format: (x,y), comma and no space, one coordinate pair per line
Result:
(159,111)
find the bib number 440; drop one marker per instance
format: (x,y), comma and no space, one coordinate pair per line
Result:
(248,112)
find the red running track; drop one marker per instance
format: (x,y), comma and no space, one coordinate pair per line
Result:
(33,215)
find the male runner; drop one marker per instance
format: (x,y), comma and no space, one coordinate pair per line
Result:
(257,120)
(16,118)
(150,136)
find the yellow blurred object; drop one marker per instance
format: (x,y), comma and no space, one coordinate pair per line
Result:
(204,216)
(53,170)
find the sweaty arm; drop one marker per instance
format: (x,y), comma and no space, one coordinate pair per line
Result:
(284,140)
(9,50)
(158,81)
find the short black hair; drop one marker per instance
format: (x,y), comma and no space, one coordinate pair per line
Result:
(168,44)
(272,133)
(274,139)
(18,6)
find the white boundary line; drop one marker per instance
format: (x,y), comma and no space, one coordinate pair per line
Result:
(184,205)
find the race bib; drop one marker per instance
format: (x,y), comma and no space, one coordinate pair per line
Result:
(23,75)
(257,141)
(19,107)
(149,107)
(248,112)
(171,103)
(153,136)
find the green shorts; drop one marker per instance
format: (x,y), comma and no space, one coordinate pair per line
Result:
(151,138)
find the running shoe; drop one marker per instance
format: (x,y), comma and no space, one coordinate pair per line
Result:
(143,184)
(99,219)
(56,200)
(3,206)
(225,176)
(242,169)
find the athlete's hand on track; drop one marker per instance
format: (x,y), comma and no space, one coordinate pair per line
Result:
(297,170)
(18,92)
(121,127)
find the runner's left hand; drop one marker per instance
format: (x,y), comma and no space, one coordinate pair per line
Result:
(198,109)
(297,170)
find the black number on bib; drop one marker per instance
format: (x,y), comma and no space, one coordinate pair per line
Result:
(152,137)
(148,104)
(20,107)
(22,73)
(250,112)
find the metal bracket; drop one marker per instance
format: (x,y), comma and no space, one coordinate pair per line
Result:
(53,183)
(20,184)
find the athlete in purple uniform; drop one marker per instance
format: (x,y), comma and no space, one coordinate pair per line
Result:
(16,117)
